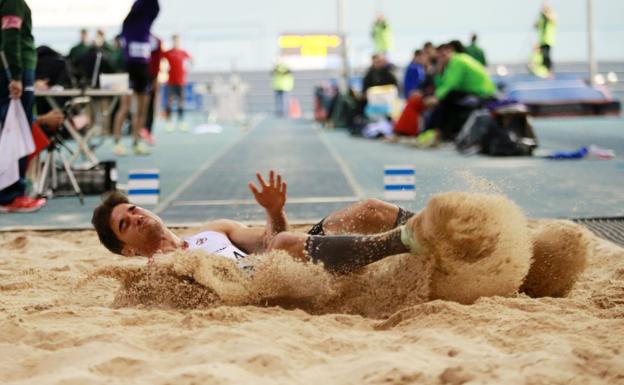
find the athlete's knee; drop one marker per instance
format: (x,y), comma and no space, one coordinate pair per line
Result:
(378,210)
(292,243)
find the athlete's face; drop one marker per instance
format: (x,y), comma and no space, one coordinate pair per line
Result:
(140,230)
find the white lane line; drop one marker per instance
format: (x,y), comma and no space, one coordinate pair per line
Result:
(166,202)
(247,202)
(346,171)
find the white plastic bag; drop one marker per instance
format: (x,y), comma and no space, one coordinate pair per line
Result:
(16,141)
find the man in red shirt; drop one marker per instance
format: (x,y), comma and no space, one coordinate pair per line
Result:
(177,59)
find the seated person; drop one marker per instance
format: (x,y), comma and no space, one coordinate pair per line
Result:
(129,230)
(463,86)
(414,74)
(379,74)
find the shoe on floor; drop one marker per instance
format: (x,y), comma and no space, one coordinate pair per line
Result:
(169,127)
(146,136)
(120,150)
(183,127)
(141,149)
(429,138)
(23,205)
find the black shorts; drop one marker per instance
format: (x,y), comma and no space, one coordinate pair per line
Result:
(175,90)
(139,77)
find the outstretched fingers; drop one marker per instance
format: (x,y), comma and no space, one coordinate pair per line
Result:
(253,189)
(263,184)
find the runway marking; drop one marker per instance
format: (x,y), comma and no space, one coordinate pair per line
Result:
(166,202)
(249,202)
(344,168)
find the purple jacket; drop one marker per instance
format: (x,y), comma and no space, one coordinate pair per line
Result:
(135,31)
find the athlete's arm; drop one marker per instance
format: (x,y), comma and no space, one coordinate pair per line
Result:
(248,239)
(272,196)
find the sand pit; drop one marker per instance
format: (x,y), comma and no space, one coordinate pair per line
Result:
(72,313)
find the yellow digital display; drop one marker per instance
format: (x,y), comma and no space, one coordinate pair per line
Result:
(309,45)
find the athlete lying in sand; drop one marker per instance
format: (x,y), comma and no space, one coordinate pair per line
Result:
(480,244)
(130,230)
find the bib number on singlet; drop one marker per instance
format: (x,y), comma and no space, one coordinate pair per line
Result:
(138,49)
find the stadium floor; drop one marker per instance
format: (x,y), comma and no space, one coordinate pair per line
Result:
(203,177)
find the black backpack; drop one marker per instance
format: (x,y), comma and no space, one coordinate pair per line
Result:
(504,131)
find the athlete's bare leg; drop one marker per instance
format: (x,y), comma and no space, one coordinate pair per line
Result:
(370,216)
(120,117)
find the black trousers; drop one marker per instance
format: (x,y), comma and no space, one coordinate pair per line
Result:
(450,114)
(546,60)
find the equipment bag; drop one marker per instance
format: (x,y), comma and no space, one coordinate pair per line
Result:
(93,181)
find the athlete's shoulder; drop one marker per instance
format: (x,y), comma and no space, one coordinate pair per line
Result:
(224,226)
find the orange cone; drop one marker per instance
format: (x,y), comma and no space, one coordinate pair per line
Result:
(294,108)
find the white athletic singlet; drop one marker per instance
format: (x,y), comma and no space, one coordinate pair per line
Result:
(213,242)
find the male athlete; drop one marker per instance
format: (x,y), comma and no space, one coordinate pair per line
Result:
(127,229)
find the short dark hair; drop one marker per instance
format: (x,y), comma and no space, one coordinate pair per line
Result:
(457,46)
(418,52)
(101,220)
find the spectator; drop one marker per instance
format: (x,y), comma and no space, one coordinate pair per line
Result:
(414,74)
(135,34)
(177,59)
(546,26)
(379,74)
(52,70)
(463,85)
(117,55)
(283,83)
(100,41)
(382,35)
(16,82)
(475,51)
(81,48)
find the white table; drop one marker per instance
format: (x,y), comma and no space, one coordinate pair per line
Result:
(100,113)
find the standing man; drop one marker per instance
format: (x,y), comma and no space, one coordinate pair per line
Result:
(382,35)
(81,48)
(546,26)
(135,34)
(283,83)
(475,51)
(177,59)
(16,82)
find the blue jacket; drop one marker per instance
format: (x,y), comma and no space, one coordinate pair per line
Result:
(135,31)
(414,77)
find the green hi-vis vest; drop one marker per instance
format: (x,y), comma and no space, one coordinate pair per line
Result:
(283,80)
(547,31)
(382,37)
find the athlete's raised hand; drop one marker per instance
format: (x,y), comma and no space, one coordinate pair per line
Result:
(272,195)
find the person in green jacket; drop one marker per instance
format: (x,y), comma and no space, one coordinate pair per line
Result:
(475,51)
(546,26)
(462,86)
(19,60)
(76,52)
(283,83)
(382,35)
